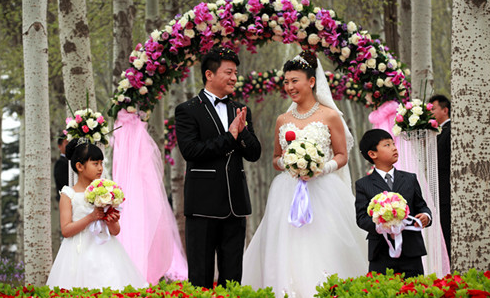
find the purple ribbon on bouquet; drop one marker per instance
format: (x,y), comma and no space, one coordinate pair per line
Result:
(300,212)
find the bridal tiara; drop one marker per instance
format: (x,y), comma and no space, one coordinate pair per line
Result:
(301,61)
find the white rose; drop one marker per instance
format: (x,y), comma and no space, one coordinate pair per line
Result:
(396,130)
(304,172)
(382,67)
(412,120)
(280,73)
(351,27)
(273,24)
(148,82)
(236,2)
(363,67)
(406,72)
(305,22)
(300,151)
(354,39)
(277,5)
(69,137)
(123,75)
(301,34)
(143,90)
(155,35)
(104,130)
(416,102)
(237,17)
(72,124)
(313,167)
(120,98)
(313,39)
(301,163)
(393,63)
(373,52)
(105,199)
(345,52)
(281,20)
(290,159)
(380,83)
(417,110)
(299,7)
(317,10)
(331,12)
(388,82)
(189,33)
(342,58)
(371,63)
(97,136)
(172,22)
(264,1)
(91,123)
(265,17)
(311,151)
(138,63)
(296,24)
(334,49)
(97,115)
(131,109)
(212,6)
(318,25)
(403,92)
(401,110)
(202,26)
(191,14)
(311,17)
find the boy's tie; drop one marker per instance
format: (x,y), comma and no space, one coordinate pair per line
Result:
(389,181)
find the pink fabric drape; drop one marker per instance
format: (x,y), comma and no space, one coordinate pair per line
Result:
(384,118)
(148,228)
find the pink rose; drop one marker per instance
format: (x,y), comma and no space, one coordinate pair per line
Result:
(408,105)
(429,106)
(65,132)
(433,123)
(68,120)
(78,118)
(399,118)
(100,119)
(85,129)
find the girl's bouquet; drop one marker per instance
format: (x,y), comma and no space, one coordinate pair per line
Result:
(89,125)
(108,195)
(389,211)
(303,159)
(104,193)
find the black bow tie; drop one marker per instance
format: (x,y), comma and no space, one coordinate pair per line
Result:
(223,100)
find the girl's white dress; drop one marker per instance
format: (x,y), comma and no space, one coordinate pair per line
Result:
(81,262)
(294,260)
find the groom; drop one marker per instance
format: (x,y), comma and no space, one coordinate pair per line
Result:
(214,134)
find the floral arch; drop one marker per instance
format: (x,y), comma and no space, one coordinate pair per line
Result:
(166,56)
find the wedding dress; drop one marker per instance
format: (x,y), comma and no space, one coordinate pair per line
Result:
(294,260)
(81,262)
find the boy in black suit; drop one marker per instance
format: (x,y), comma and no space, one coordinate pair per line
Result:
(378,148)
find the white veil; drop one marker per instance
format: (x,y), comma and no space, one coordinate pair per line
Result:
(324,97)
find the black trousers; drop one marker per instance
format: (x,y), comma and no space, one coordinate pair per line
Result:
(411,266)
(207,237)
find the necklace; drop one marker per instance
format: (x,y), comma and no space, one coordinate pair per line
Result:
(307,114)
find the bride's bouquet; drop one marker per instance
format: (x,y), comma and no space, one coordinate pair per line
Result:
(389,211)
(304,159)
(104,193)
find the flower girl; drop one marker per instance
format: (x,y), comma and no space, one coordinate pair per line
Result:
(88,257)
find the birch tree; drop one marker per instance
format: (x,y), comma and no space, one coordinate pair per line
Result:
(75,53)
(20,221)
(470,155)
(37,221)
(421,48)
(123,16)
(390,21)
(405,31)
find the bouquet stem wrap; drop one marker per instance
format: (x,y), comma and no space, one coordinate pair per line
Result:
(396,251)
(300,212)
(100,231)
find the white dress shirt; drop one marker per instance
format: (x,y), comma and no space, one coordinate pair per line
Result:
(220,108)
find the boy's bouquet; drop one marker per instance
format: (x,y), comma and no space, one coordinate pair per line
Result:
(389,211)
(108,195)
(303,159)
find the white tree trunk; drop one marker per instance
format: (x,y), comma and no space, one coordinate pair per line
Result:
(421,49)
(123,15)
(1,155)
(405,31)
(75,54)
(20,211)
(37,220)
(470,155)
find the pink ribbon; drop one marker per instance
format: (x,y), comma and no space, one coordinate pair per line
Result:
(300,212)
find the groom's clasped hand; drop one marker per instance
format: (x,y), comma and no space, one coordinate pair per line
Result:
(239,122)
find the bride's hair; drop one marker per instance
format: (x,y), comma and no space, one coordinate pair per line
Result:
(305,61)
(78,151)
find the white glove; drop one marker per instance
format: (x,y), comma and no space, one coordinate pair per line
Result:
(330,167)
(280,163)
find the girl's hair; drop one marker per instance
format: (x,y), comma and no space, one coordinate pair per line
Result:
(82,153)
(305,61)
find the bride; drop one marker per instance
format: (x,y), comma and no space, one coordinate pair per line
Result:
(293,258)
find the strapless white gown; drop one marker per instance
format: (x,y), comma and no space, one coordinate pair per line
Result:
(295,260)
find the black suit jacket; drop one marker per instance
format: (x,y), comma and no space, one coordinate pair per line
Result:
(60,175)
(443,166)
(215,181)
(405,184)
